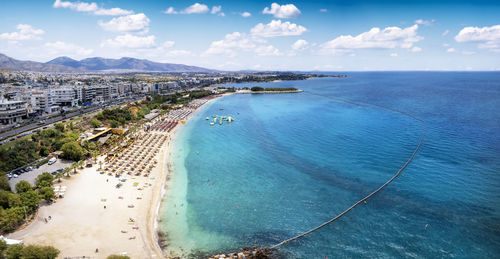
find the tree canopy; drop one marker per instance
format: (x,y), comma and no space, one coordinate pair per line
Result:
(23,186)
(4,182)
(72,150)
(44,180)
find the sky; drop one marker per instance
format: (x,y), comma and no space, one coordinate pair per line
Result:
(309,35)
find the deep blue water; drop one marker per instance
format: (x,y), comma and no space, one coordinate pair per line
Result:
(292,161)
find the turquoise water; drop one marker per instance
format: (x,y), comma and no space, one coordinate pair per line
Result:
(292,161)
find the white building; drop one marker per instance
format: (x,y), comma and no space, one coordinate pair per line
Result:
(40,102)
(12,111)
(63,96)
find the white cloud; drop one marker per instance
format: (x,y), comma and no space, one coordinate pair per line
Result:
(216,9)
(67,49)
(276,28)
(112,11)
(445,33)
(394,54)
(196,8)
(450,50)
(282,11)
(77,6)
(425,22)
(231,43)
(246,14)
(168,44)
(323,10)
(300,45)
(170,10)
(487,37)
(416,49)
(91,8)
(269,50)
(130,23)
(388,38)
(130,41)
(25,32)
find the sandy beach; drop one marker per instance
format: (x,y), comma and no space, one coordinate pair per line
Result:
(95,219)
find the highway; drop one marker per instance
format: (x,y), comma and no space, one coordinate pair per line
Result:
(13,133)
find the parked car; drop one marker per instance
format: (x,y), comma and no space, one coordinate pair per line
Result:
(52,160)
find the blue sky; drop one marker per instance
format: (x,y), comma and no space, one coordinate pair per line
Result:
(262,35)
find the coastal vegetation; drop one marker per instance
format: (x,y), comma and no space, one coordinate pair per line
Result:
(15,208)
(20,251)
(272,89)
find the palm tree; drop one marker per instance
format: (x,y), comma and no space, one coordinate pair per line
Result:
(58,176)
(81,163)
(66,171)
(74,166)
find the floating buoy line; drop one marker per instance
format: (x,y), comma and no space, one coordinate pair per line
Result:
(266,250)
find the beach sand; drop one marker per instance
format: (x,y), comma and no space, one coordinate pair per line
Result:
(80,224)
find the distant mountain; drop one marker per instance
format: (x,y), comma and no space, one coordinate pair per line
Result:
(69,65)
(65,61)
(8,63)
(130,64)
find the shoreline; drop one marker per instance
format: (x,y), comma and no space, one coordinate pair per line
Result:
(79,224)
(170,170)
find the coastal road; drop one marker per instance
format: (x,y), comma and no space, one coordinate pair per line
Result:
(35,125)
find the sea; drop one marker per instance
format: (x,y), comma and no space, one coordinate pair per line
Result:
(289,162)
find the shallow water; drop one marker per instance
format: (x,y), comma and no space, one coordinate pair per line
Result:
(292,161)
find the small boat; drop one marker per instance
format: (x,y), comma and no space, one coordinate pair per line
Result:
(206,118)
(211,123)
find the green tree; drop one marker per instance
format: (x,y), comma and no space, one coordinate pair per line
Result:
(39,252)
(44,180)
(13,252)
(23,186)
(30,200)
(11,218)
(117,257)
(60,127)
(115,124)
(66,171)
(4,182)
(44,151)
(9,199)
(73,151)
(3,247)
(47,193)
(257,89)
(95,123)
